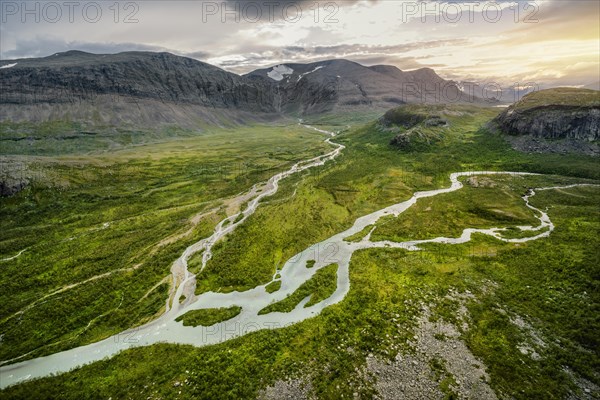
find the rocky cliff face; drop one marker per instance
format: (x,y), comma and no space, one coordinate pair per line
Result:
(554,120)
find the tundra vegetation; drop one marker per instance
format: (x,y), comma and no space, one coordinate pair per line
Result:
(531,313)
(208,317)
(100,231)
(319,287)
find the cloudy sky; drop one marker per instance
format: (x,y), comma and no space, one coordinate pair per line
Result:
(549,42)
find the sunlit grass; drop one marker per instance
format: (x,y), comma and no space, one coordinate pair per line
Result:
(552,283)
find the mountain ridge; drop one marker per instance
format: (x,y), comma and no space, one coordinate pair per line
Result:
(136,88)
(150,88)
(342,84)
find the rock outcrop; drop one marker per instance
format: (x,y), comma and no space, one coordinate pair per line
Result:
(412,125)
(554,120)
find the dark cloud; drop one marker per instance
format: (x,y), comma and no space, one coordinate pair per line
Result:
(265,4)
(276,9)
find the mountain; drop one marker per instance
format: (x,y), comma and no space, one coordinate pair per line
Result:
(126,87)
(150,89)
(554,120)
(343,85)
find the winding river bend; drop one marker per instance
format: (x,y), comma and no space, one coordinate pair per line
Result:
(295,272)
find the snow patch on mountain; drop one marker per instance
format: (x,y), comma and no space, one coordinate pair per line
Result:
(310,72)
(279,71)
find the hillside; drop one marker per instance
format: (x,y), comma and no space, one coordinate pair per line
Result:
(339,85)
(554,120)
(416,125)
(152,89)
(132,87)
(559,97)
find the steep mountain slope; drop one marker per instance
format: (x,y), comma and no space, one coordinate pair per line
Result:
(342,84)
(150,89)
(133,86)
(556,120)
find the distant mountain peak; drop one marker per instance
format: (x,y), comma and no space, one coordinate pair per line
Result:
(325,85)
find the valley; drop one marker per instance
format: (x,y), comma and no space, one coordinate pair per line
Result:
(130,195)
(366,320)
(300,200)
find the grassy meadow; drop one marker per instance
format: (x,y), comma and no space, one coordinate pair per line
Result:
(550,285)
(96,231)
(208,317)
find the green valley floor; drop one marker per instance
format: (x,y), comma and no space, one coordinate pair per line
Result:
(86,251)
